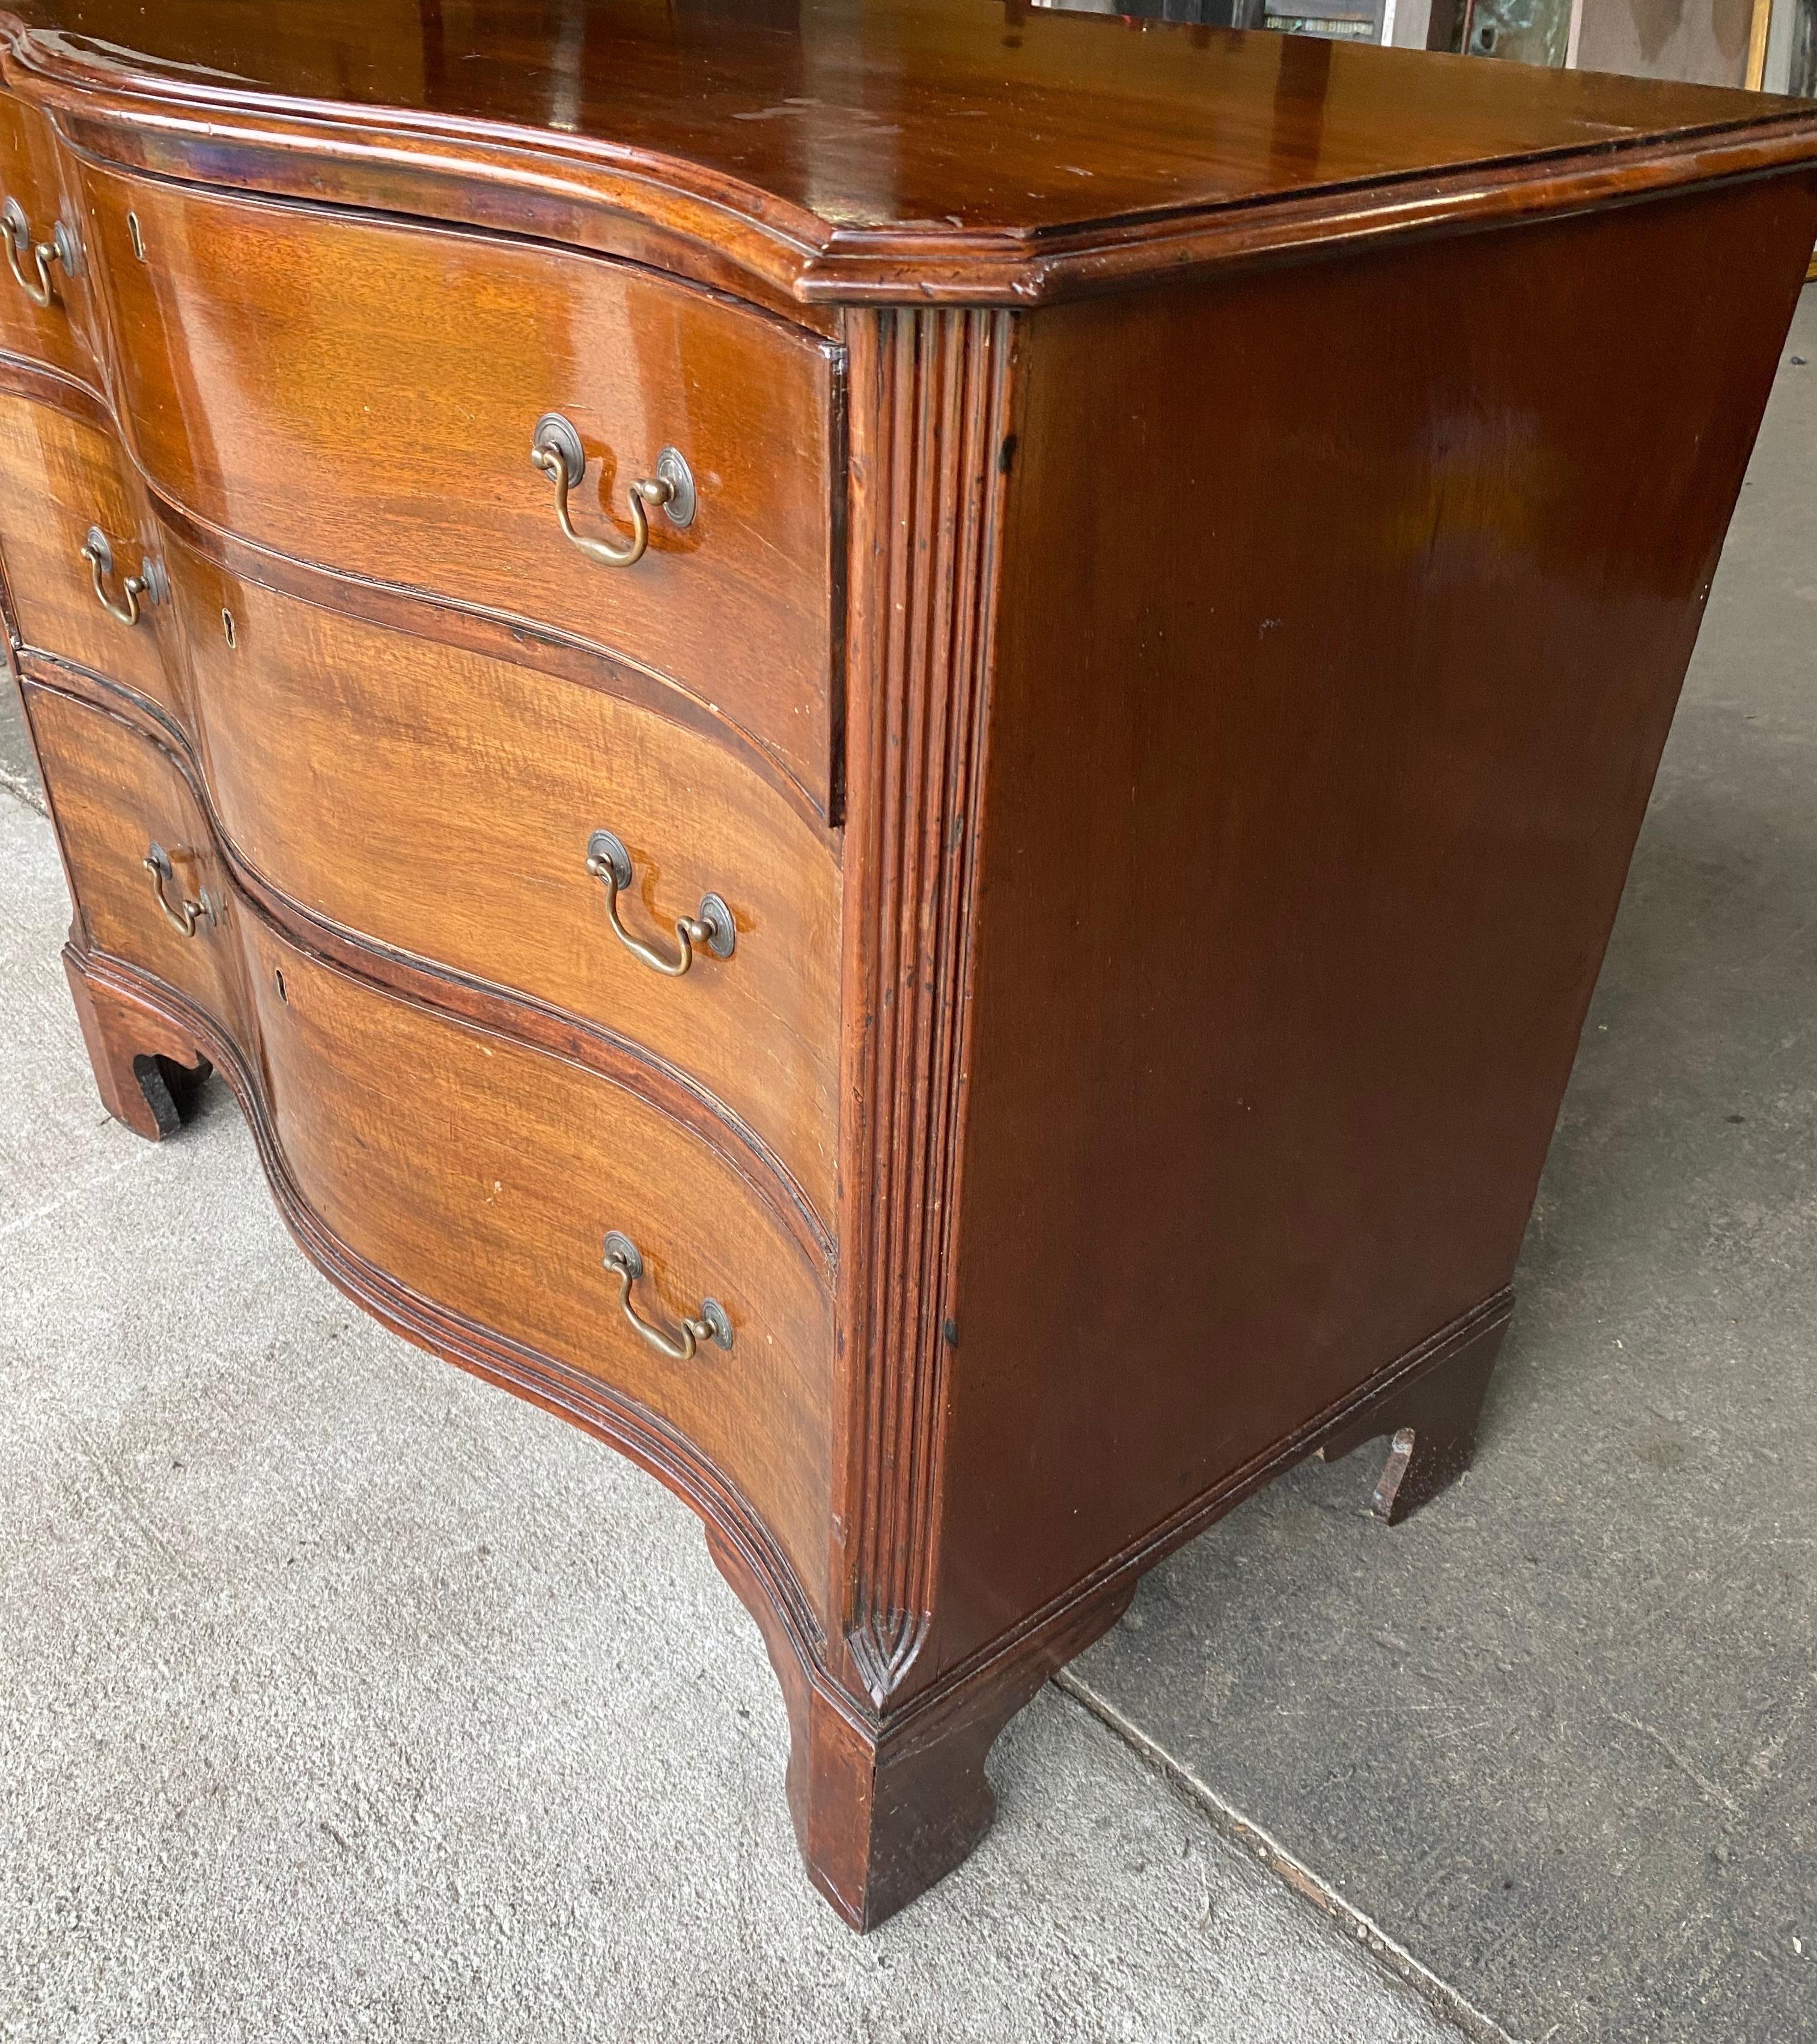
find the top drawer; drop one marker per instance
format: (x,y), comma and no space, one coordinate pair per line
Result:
(365,394)
(43,308)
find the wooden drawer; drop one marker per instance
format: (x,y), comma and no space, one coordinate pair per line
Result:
(478,785)
(486,1175)
(481,1172)
(60,476)
(56,334)
(364,394)
(115,796)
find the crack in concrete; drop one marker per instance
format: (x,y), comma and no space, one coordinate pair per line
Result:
(1704,1783)
(1440,1995)
(66,1197)
(16,785)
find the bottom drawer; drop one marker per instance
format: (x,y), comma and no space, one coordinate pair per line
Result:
(120,799)
(486,1175)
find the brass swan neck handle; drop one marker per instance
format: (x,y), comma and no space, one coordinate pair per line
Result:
(621,1256)
(609,863)
(16,230)
(555,449)
(149,582)
(184,916)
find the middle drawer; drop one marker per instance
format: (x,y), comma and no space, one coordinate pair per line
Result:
(445,804)
(64,484)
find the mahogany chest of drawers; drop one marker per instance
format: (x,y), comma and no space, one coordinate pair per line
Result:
(819,819)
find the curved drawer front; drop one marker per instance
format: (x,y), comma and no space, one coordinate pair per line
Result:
(33,196)
(365,395)
(61,477)
(117,797)
(444,803)
(485,1177)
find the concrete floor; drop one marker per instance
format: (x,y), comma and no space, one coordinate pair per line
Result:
(18,775)
(341,1696)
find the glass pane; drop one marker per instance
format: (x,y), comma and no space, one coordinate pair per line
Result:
(1534,32)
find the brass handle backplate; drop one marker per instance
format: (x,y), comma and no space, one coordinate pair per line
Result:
(620,1255)
(17,231)
(150,582)
(184,917)
(609,863)
(555,449)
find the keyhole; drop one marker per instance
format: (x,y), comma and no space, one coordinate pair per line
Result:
(228,627)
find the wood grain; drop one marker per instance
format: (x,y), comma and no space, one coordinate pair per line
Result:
(930,402)
(1307,813)
(491,1188)
(60,474)
(477,785)
(370,402)
(32,170)
(675,1091)
(488,1186)
(113,796)
(955,150)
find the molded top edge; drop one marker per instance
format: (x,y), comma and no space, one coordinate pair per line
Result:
(960,151)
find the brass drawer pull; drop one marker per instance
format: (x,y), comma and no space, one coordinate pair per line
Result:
(17,230)
(183,919)
(620,1255)
(555,449)
(150,582)
(609,863)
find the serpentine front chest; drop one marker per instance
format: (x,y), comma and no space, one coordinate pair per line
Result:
(889,745)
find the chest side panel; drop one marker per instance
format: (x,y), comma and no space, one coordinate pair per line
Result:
(1345,613)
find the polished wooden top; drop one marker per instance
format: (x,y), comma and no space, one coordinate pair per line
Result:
(1000,151)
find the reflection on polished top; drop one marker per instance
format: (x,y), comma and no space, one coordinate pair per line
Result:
(882,127)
